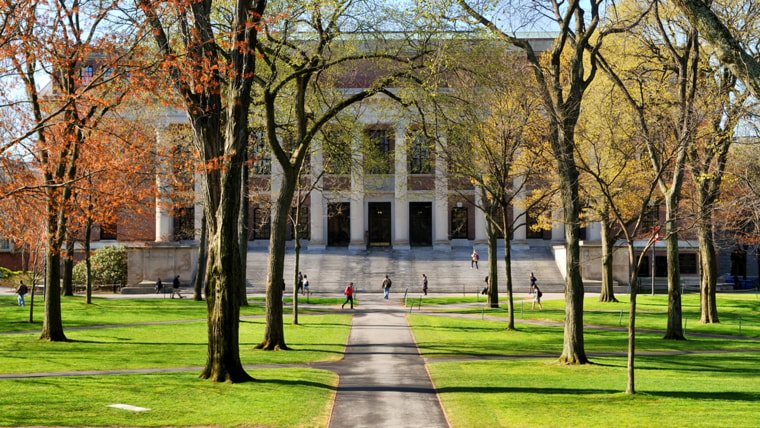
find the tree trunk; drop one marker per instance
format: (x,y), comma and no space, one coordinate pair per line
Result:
(52,324)
(573,349)
(274,334)
(295,270)
(675,325)
(243,232)
(709,271)
(508,269)
(68,267)
(224,278)
(493,272)
(608,248)
(200,272)
(630,386)
(87,235)
(222,300)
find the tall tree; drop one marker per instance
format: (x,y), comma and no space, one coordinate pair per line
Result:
(561,87)
(213,75)
(304,58)
(494,139)
(65,42)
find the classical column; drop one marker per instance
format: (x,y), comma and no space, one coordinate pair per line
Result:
(164,218)
(401,203)
(441,201)
(481,235)
(358,229)
(317,206)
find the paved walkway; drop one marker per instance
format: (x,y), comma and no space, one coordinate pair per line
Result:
(383,379)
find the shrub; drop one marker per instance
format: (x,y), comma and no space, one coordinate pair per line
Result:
(107,263)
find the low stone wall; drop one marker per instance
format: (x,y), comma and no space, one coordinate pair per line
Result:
(146,264)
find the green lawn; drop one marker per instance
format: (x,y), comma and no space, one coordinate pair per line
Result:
(175,399)
(316,338)
(734,311)
(75,313)
(444,337)
(279,398)
(672,391)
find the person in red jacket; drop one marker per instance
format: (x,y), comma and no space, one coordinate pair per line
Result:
(349,292)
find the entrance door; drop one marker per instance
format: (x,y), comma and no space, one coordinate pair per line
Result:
(379,224)
(420,224)
(338,224)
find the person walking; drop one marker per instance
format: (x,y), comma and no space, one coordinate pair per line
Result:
(475,257)
(532,280)
(387,286)
(21,291)
(305,284)
(424,284)
(537,298)
(159,286)
(349,292)
(484,291)
(299,286)
(175,287)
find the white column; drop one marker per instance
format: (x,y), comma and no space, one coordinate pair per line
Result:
(558,227)
(401,188)
(358,227)
(164,218)
(317,206)
(441,201)
(481,235)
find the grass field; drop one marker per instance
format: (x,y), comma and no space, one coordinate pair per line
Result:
(177,340)
(673,391)
(691,389)
(698,389)
(739,313)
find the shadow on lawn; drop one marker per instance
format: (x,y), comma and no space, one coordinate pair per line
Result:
(295,382)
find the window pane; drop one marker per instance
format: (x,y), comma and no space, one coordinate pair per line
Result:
(420,154)
(459,224)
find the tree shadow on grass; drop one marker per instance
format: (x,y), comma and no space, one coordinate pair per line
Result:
(300,383)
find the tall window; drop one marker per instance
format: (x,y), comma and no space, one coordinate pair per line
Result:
(420,154)
(651,219)
(459,225)
(378,157)
(184,223)
(261,157)
(531,230)
(261,223)
(86,74)
(108,231)
(336,150)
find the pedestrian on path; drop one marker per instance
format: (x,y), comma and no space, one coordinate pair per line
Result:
(484,291)
(175,287)
(424,284)
(387,286)
(349,292)
(159,286)
(475,258)
(21,291)
(299,286)
(532,280)
(305,284)
(537,298)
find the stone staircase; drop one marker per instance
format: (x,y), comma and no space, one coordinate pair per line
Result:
(332,269)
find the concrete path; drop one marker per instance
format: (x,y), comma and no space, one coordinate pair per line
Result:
(383,379)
